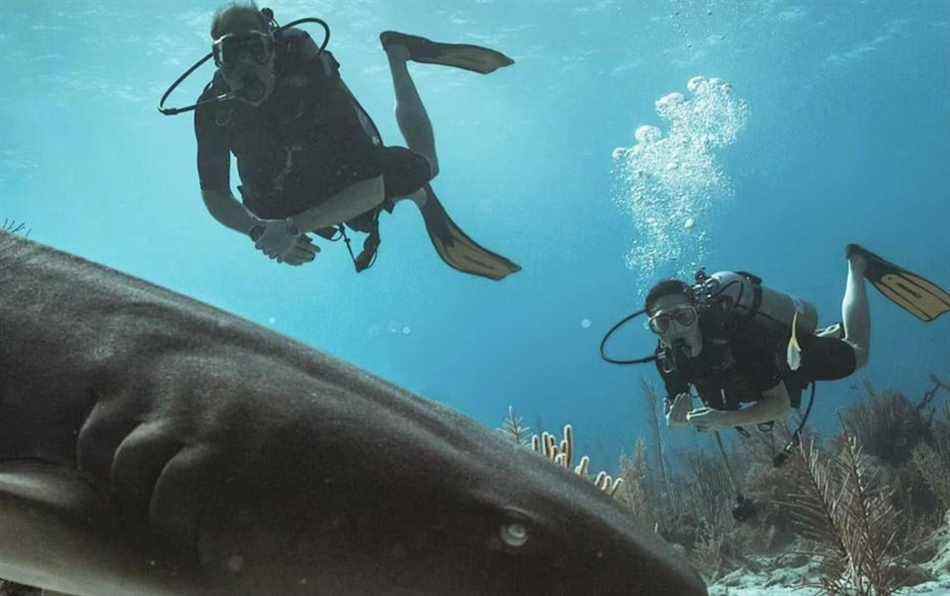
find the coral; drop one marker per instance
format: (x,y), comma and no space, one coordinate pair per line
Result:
(933,465)
(707,554)
(562,453)
(559,452)
(888,425)
(850,517)
(515,428)
(635,491)
(653,411)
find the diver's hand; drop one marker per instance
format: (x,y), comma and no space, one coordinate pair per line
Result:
(710,419)
(278,240)
(303,251)
(676,416)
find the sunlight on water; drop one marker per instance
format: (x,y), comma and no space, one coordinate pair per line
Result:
(667,181)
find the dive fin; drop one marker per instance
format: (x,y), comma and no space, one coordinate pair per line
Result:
(460,55)
(457,249)
(915,294)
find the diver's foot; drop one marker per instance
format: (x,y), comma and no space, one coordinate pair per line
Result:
(914,293)
(395,50)
(466,56)
(856,259)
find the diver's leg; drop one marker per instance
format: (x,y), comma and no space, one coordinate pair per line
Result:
(855,311)
(450,242)
(419,198)
(410,112)
(350,202)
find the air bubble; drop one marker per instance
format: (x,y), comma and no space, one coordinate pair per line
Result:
(671,176)
(695,83)
(647,134)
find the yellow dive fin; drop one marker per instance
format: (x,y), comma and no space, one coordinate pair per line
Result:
(457,249)
(915,294)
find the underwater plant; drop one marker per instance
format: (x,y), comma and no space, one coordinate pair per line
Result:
(11,227)
(847,512)
(932,460)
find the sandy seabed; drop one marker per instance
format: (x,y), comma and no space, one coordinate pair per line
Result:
(787,573)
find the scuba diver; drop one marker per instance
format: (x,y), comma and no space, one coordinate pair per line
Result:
(309,157)
(739,342)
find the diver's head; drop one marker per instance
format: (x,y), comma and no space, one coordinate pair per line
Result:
(244,51)
(674,317)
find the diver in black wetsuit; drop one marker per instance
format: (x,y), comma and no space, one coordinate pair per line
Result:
(738,342)
(308,156)
(739,348)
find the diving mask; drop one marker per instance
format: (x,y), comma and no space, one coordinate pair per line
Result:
(685,316)
(232,49)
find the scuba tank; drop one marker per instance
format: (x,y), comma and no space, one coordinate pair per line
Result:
(775,310)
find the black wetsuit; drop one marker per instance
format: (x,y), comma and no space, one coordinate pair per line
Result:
(308,141)
(742,357)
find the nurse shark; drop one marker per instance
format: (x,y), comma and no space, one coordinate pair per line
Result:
(151,444)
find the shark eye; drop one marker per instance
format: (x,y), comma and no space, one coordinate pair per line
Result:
(514,534)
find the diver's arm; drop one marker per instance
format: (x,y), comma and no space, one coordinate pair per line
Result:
(677,410)
(214,166)
(775,405)
(224,207)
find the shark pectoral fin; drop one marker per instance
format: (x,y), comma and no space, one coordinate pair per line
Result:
(54,526)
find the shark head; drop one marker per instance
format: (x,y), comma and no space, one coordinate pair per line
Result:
(152,444)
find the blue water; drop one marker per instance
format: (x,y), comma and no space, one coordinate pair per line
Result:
(845,140)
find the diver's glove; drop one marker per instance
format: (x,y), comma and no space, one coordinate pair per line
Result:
(278,238)
(676,415)
(710,419)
